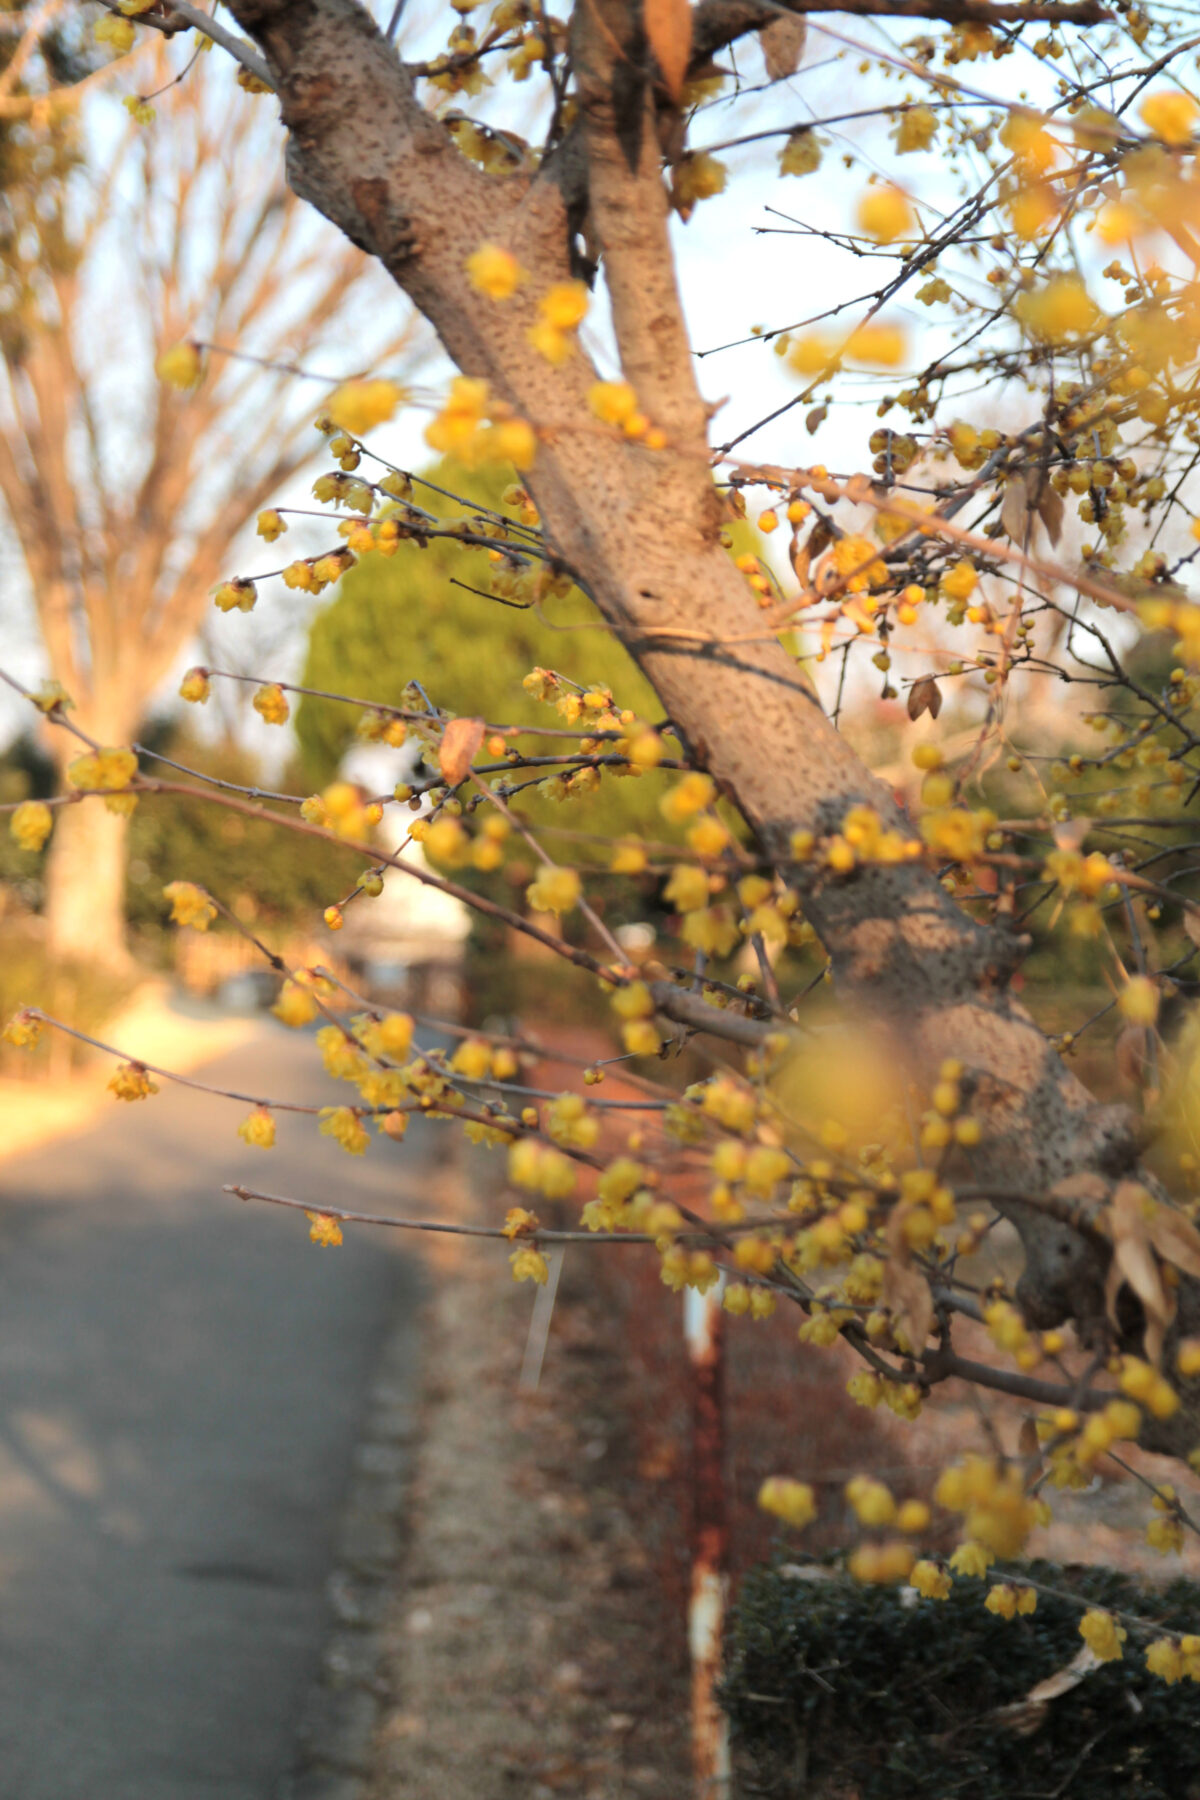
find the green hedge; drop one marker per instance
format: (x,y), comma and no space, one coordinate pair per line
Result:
(845,1692)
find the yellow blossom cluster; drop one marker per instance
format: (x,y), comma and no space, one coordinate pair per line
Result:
(997,1512)
(190,905)
(541,1169)
(31,824)
(324,1230)
(131,1081)
(345,1127)
(461,428)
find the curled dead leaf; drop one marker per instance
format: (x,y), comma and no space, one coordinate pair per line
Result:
(1133,1221)
(456,752)
(1024,1716)
(905,1292)
(924,696)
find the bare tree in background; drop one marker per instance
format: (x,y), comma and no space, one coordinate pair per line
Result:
(125,494)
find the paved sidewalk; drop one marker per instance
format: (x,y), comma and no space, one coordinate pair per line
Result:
(182,1382)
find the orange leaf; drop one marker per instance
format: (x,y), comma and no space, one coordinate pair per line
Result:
(456,752)
(669,29)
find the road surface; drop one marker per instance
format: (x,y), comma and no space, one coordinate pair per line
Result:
(181,1383)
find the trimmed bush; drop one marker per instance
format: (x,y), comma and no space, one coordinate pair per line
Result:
(845,1692)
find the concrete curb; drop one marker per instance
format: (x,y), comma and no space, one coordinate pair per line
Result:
(342,1712)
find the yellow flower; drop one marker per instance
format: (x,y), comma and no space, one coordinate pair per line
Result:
(569,1122)
(49,695)
(1138,1000)
(340,1054)
(190,905)
(612,401)
(959,583)
(1002,1600)
(696,177)
(258,1129)
(1104,1637)
(564,306)
(1060,309)
(1164,1660)
(102,770)
(390,1036)
(472,1059)
(972,1559)
(31,824)
(930,1581)
(519,1221)
(871,1500)
(23,1030)
(271,704)
(792,1501)
(529,1264)
(117,32)
(514,441)
(555,890)
(554,345)
(343,1124)
(237,595)
(640,1038)
(687,889)
(195,686)
(801,155)
(131,1082)
(358,406)
(495,272)
(915,129)
(1170,115)
(295,1006)
(881,1564)
(884,213)
(323,1230)
(270,525)
(687,797)
(182,366)
(628,857)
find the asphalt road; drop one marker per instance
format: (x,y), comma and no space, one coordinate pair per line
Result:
(182,1379)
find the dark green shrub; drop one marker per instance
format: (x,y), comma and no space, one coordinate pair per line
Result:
(840,1690)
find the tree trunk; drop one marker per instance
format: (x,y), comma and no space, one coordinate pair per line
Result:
(85,885)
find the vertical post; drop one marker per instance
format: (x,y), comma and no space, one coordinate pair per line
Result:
(703,1322)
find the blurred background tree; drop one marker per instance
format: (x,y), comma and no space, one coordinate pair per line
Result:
(125,495)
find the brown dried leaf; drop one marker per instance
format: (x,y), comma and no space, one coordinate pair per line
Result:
(1176,1239)
(815,418)
(1015,511)
(1131,1054)
(783,45)
(456,752)
(906,1295)
(924,696)
(1028,1445)
(1134,1264)
(668,25)
(1191,926)
(1050,512)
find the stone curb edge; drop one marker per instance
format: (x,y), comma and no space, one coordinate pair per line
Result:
(342,1711)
